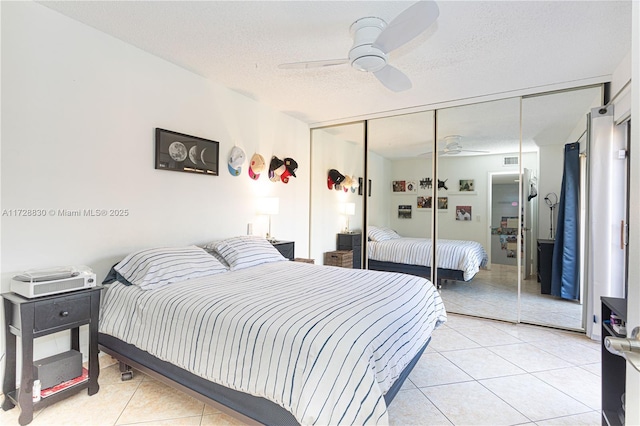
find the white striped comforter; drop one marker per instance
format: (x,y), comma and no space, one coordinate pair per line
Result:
(325,343)
(465,256)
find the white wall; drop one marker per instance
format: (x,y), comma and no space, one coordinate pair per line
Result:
(79,109)
(379,171)
(549,182)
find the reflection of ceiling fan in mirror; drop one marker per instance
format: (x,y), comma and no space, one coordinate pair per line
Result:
(453,146)
(373,39)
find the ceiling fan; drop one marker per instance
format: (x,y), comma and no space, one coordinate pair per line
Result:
(453,146)
(373,39)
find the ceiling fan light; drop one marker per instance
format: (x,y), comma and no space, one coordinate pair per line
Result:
(367,58)
(369,63)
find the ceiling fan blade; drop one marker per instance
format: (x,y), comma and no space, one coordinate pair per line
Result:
(473,150)
(408,25)
(393,79)
(314,64)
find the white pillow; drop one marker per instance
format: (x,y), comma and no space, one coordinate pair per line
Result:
(377,233)
(157,267)
(246,251)
(211,249)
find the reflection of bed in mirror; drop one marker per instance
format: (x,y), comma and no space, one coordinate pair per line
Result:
(278,342)
(457,260)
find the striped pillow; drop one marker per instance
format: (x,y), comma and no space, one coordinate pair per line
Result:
(211,249)
(157,267)
(246,251)
(376,233)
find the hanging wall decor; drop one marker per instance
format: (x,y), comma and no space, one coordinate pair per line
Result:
(443,203)
(466,185)
(183,153)
(426,183)
(404,211)
(399,186)
(463,213)
(424,203)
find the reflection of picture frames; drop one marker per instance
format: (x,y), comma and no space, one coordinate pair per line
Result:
(466,185)
(360,181)
(404,211)
(424,203)
(463,213)
(399,186)
(443,203)
(183,153)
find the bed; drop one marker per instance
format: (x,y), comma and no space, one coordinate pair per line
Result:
(277,342)
(457,260)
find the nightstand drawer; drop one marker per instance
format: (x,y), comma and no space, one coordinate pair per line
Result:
(61,311)
(349,241)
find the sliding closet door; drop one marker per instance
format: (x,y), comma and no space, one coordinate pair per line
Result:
(555,124)
(399,155)
(337,185)
(478,204)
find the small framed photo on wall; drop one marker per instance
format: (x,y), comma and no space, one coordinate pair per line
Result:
(399,186)
(404,211)
(443,203)
(467,185)
(424,203)
(463,213)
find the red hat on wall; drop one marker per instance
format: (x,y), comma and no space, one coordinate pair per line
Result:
(256,166)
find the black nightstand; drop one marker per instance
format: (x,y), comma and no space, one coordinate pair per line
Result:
(613,367)
(352,241)
(286,248)
(545,259)
(33,318)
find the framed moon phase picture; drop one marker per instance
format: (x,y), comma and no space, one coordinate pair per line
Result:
(183,153)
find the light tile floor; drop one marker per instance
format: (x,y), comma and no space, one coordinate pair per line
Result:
(493,294)
(474,372)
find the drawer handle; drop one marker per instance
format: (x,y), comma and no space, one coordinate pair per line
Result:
(64,313)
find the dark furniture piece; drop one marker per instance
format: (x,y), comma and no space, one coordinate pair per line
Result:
(286,248)
(420,271)
(614,367)
(352,241)
(33,318)
(247,408)
(545,258)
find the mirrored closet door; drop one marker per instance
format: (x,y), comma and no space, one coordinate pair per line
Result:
(337,187)
(478,208)
(399,159)
(552,123)
(482,183)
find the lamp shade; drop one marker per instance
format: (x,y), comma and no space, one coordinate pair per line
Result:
(269,205)
(350,209)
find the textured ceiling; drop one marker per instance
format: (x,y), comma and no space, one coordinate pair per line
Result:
(474,49)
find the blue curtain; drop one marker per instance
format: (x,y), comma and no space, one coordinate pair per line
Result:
(565,278)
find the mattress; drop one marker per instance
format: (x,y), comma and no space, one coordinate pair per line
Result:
(324,343)
(465,256)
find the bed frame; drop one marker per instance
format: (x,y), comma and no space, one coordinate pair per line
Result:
(247,408)
(421,271)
